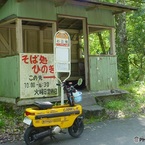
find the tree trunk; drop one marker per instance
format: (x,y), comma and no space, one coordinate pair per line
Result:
(121,46)
(101,43)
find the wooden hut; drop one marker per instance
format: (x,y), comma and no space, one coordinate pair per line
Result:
(27,28)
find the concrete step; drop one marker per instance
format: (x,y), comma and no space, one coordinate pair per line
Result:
(93,110)
(90,107)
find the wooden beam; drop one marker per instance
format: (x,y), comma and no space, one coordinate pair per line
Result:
(2,23)
(36,20)
(73,23)
(72,31)
(112,42)
(19,36)
(19,0)
(4,52)
(44,26)
(59,2)
(91,8)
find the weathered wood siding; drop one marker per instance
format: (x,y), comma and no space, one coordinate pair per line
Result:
(103,72)
(7,41)
(9,77)
(38,9)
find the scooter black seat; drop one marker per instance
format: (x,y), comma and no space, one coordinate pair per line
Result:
(43,105)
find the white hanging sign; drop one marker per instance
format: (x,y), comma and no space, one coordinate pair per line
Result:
(62,52)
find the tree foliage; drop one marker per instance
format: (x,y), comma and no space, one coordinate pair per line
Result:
(136,42)
(99,43)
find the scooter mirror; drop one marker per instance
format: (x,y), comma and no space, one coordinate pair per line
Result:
(80,81)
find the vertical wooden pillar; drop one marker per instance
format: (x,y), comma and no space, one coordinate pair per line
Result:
(10,46)
(54,29)
(86,53)
(41,41)
(25,47)
(19,36)
(112,41)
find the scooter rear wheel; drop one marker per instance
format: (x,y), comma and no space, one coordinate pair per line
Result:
(28,136)
(77,128)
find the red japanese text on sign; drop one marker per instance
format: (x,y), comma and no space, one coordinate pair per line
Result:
(34,59)
(39,63)
(43,69)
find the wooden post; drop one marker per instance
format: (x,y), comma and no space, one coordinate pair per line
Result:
(41,41)
(10,46)
(25,41)
(54,29)
(85,33)
(19,36)
(112,41)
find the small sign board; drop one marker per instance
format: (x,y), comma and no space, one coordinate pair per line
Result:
(37,77)
(62,52)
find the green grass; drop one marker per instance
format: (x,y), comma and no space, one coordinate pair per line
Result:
(115,105)
(2,123)
(130,103)
(9,116)
(2,116)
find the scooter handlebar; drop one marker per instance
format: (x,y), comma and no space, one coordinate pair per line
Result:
(69,88)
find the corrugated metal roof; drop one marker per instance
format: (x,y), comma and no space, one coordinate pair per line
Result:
(116,8)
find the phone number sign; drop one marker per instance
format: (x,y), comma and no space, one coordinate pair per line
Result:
(37,77)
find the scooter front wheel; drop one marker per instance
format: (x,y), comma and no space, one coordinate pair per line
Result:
(77,128)
(28,135)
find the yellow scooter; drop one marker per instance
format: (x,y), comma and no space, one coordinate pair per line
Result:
(47,120)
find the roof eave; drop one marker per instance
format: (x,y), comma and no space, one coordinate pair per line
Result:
(116,8)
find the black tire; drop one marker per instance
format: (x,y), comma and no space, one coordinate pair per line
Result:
(77,128)
(28,136)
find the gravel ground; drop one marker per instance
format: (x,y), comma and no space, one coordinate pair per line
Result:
(12,132)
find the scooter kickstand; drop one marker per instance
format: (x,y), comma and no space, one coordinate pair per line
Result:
(52,137)
(63,132)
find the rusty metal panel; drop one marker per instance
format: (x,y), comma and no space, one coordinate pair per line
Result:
(9,77)
(103,73)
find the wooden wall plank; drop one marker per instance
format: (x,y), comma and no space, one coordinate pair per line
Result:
(41,47)
(5,43)
(19,37)
(104,70)
(112,41)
